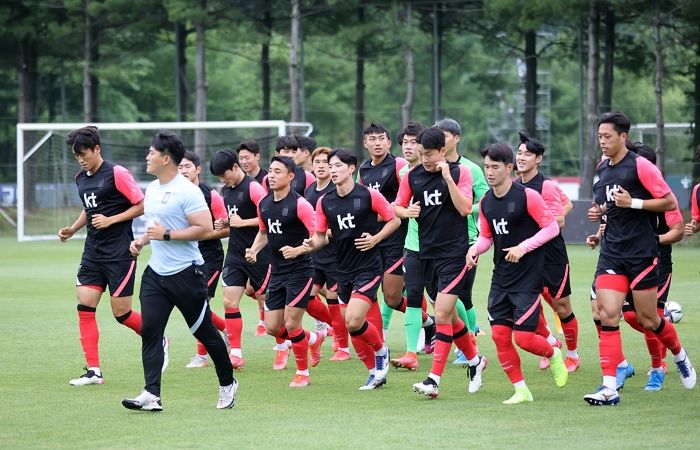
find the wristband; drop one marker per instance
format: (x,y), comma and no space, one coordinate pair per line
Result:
(166,235)
(637,203)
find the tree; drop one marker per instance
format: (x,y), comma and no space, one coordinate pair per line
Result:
(589,159)
(294,63)
(407,105)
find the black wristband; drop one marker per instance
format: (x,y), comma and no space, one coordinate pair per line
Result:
(166,235)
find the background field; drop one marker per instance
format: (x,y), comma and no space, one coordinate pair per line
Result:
(40,353)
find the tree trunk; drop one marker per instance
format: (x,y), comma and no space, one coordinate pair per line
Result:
(265,61)
(696,111)
(608,76)
(437,61)
(27,109)
(90,82)
(658,93)
(293,62)
(591,156)
(360,87)
(407,106)
(181,93)
(531,82)
(200,136)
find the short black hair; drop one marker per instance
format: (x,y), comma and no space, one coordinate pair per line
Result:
(286,142)
(286,160)
(222,161)
(642,150)
(451,125)
(412,128)
(532,145)
(306,142)
(618,120)
(432,138)
(251,145)
(168,142)
(83,138)
(192,156)
(498,152)
(376,128)
(344,155)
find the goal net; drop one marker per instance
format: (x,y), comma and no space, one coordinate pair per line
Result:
(47,196)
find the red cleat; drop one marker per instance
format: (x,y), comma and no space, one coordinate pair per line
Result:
(260,330)
(315,350)
(281,357)
(299,381)
(408,361)
(236,362)
(572,364)
(340,355)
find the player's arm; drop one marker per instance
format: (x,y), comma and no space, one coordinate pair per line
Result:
(565,201)
(479,188)
(537,209)
(552,198)
(101,221)
(66,233)
(483,242)
(381,206)
(652,180)
(402,205)
(127,186)
(460,192)
(674,220)
(218,211)
(306,214)
(258,244)
(320,236)
(693,226)
(256,193)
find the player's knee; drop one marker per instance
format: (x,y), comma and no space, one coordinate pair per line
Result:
(353,323)
(501,335)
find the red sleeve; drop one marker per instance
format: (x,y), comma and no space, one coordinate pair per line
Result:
(673,216)
(217,206)
(265,185)
(306,214)
(464,184)
(651,178)
(537,208)
(552,197)
(261,224)
(563,198)
(484,225)
(321,220)
(310,179)
(380,205)
(403,198)
(256,192)
(400,164)
(695,203)
(126,184)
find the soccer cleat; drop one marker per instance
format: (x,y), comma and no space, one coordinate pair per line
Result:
(236,362)
(430,331)
(166,353)
(461,359)
(420,345)
(603,397)
(299,381)
(408,361)
(340,355)
(145,401)
(281,357)
(572,364)
(260,330)
(622,374)
(522,395)
(89,377)
(475,372)
(198,361)
(656,381)
(227,395)
(336,346)
(381,364)
(559,372)
(687,371)
(372,383)
(544,362)
(663,366)
(315,350)
(224,336)
(427,387)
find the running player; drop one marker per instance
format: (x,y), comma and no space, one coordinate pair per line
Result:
(693,226)
(302,157)
(249,157)
(288,146)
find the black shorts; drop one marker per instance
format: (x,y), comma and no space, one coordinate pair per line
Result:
(289,289)
(413,278)
(239,274)
(118,275)
(519,310)
(327,277)
(213,272)
(466,296)
(392,259)
(556,280)
(664,288)
(640,273)
(363,285)
(445,276)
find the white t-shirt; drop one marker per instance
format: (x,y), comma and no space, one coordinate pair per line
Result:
(170,204)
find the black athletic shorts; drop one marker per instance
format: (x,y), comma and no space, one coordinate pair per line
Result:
(392,259)
(556,280)
(445,276)
(289,289)
(519,310)
(327,277)
(118,275)
(362,285)
(413,278)
(238,274)
(212,270)
(641,273)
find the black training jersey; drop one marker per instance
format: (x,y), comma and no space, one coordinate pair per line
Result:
(442,231)
(288,222)
(349,217)
(243,200)
(262,173)
(554,250)
(630,233)
(509,220)
(302,180)
(212,249)
(326,258)
(384,177)
(109,191)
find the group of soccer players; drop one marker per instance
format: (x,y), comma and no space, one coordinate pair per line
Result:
(319,223)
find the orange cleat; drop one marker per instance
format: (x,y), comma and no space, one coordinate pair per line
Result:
(281,357)
(237,362)
(315,350)
(572,364)
(408,361)
(260,330)
(299,381)
(340,355)
(336,346)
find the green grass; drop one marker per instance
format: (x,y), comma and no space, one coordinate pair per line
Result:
(41,352)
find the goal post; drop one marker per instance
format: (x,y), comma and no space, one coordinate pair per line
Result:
(46,194)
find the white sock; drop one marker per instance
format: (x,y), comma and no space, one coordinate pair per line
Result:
(519,384)
(237,352)
(436,378)
(303,372)
(657,369)
(344,349)
(382,351)
(313,337)
(622,365)
(551,339)
(572,354)
(680,356)
(610,382)
(428,322)
(281,347)
(474,361)
(97,371)
(261,322)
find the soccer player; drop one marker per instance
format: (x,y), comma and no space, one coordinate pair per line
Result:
(286,220)
(325,260)
(350,212)
(288,146)
(111,199)
(178,217)
(249,157)
(302,157)
(516,220)
(693,226)
(557,285)
(438,195)
(241,195)
(633,191)
(211,249)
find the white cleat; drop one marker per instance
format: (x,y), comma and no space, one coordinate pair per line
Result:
(89,377)
(166,354)
(687,371)
(381,364)
(475,372)
(198,361)
(227,395)
(145,401)
(427,387)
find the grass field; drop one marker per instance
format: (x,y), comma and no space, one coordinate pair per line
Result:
(41,352)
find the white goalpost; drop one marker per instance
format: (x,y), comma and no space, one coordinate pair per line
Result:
(46,193)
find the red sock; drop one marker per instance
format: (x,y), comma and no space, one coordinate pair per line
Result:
(317,309)
(300,347)
(340,332)
(261,310)
(655,348)
(610,350)
(234,326)
(507,354)
(570,327)
(131,319)
(462,340)
(218,321)
(533,343)
(89,335)
(364,351)
(443,344)
(668,336)
(374,317)
(542,329)
(631,319)
(368,333)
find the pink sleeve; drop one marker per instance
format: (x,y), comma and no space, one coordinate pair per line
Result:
(537,208)
(305,212)
(400,164)
(381,206)
(261,223)
(695,203)
(256,192)
(403,198)
(310,179)
(265,185)
(217,206)
(484,226)
(651,178)
(482,244)
(673,216)
(464,184)
(552,197)
(540,238)
(563,198)
(321,220)
(126,184)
